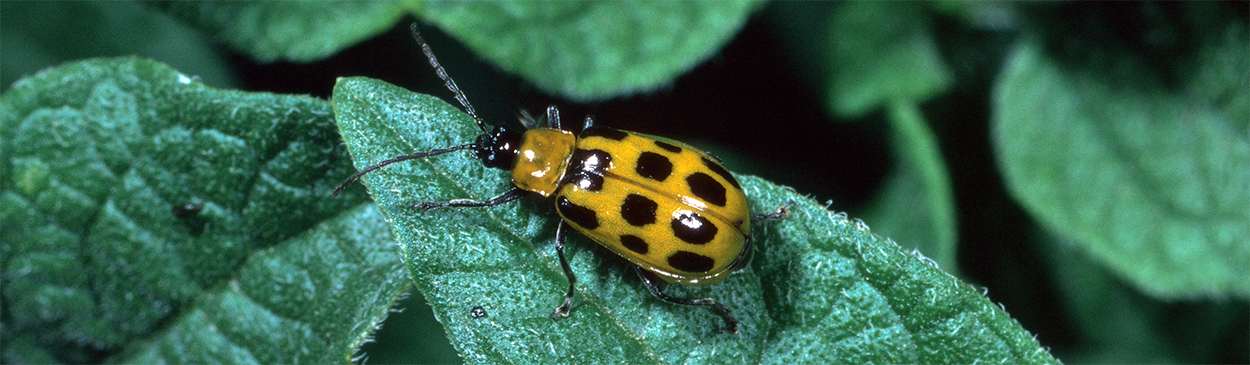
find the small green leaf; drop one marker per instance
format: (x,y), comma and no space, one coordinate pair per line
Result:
(148,218)
(593,50)
(916,208)
(882,51)
(821,288)
(298,31)
(1152,181)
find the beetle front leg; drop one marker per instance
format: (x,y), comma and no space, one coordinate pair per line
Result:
(563,310)
(505,198)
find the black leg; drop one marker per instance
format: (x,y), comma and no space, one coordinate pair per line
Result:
(563,310)
(528,120)
(505,198)
(590,122)
(731,323)
(781,212)
(745,258)
(553,117)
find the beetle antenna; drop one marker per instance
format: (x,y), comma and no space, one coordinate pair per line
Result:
(399,159)
(442,74)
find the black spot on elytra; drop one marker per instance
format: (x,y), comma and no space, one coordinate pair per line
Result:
(690,262)
(720,170)
(654,166)
(587,168)
(588,182)
(591,160)
(668,147)
(693,228)
(638,210)
(577,214)
(605,132)
(707,188)
(633,243)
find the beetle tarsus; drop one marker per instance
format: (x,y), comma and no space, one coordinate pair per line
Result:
(650,280)
(780,213)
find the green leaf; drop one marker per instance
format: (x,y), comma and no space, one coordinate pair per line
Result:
(410,335)
(882,51)
(40,34)
(821,289)
(582,50)
(1218,73)
(148,218)
(1116,321)
(1152,181)
(297,31)
(916,208)
(593,50)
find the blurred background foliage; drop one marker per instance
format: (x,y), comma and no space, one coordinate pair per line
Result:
(906,115)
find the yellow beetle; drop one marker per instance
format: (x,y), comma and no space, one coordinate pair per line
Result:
(665,206)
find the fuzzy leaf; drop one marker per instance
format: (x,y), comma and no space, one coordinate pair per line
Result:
(821,289)
(1155,183)
(148,218)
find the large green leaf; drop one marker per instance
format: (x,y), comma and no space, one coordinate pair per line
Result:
(299,31)
(148,218)
(821,289)
(40,34)
(580,50)
(1116,321)
(1154,181)
(593,50)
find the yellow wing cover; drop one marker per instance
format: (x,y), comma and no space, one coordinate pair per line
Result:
(663,205)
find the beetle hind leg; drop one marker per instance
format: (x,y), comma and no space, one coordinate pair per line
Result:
(563,310)
(652,283)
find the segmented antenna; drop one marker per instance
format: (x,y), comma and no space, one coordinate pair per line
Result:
(451,85)
(442,74)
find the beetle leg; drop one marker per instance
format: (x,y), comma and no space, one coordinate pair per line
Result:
(590,122)
(781,212)
(553,117)
(505,198)
(731,323)
(563,309)
(528,120)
